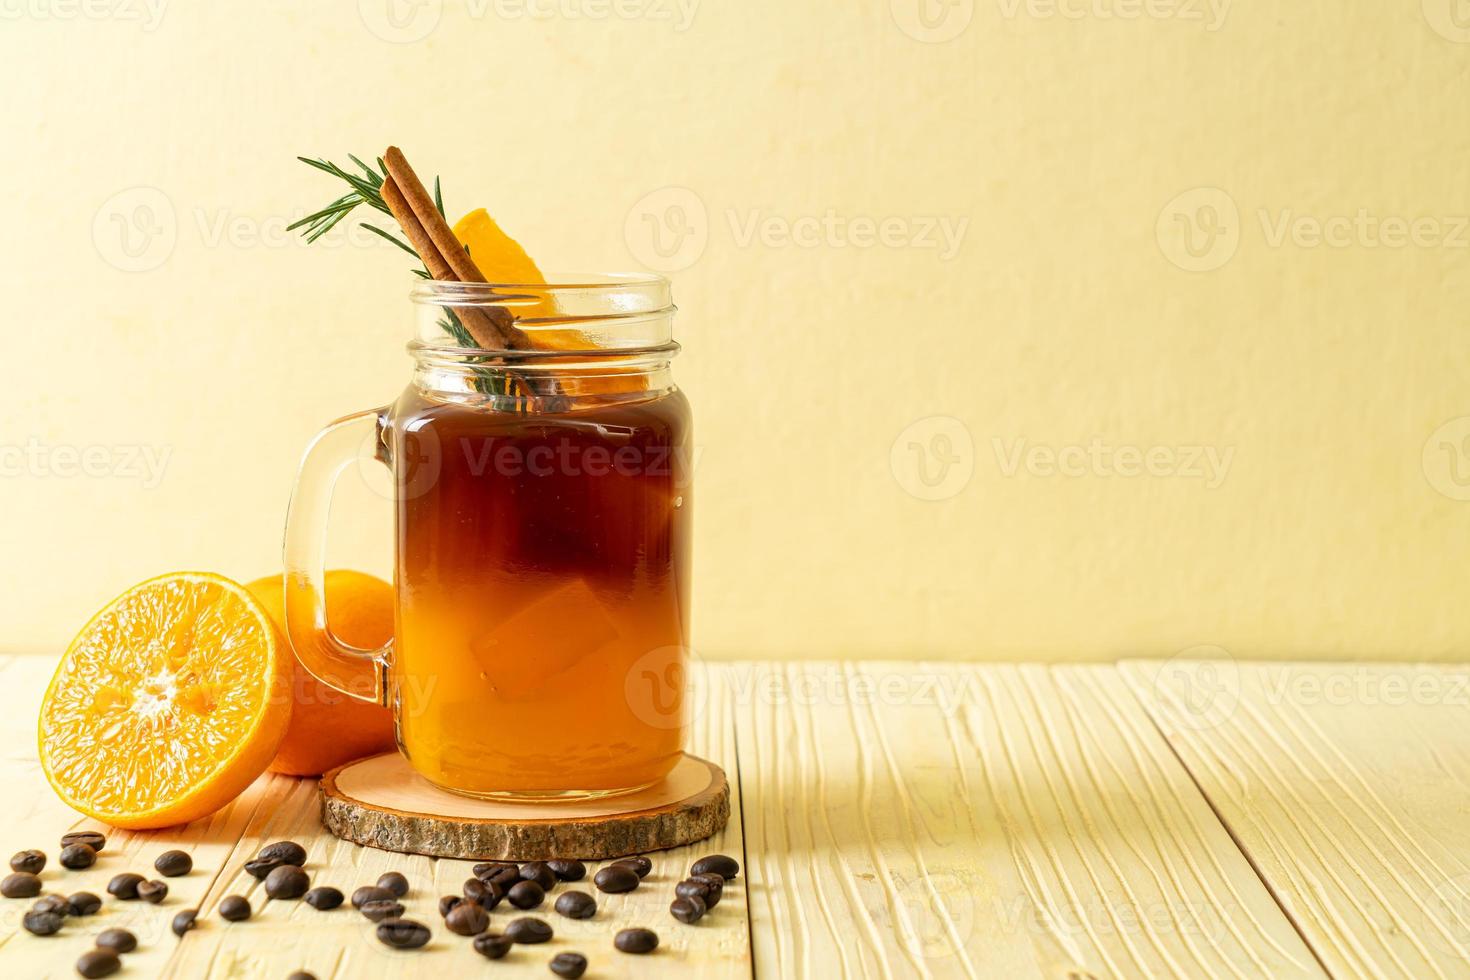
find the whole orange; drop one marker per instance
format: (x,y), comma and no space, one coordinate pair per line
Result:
(328,727)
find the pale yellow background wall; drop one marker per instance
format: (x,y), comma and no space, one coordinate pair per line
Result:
(837,381)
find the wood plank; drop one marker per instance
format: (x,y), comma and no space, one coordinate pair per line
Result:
(287,936)
(1348,786)
(946,820)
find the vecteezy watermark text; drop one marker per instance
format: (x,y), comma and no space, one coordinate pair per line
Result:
(1210,13)
(34,458)
(1100,459)
(147,13)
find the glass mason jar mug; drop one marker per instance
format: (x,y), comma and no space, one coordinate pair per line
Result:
(541,474)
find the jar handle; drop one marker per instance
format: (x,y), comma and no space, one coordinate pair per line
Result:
(360,674)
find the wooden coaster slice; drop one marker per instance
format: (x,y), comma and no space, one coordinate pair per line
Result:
(381,802)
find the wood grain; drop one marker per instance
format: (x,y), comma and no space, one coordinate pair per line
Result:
(1348,785)
(924,820)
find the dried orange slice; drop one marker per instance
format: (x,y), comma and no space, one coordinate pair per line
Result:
(167,704)
(499,257)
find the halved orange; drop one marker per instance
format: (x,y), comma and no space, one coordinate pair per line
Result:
(168,703)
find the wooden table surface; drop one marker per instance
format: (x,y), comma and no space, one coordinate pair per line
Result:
(1163,818)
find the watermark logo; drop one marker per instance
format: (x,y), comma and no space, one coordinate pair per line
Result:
(1199,687)
(1446,459)
(659,688)
(1447,914)
(400,21)
(932,21)
(1199,230)
(135,230)
(940,910)
(933,458)
(1450,19)
(667,230)
(1209,464)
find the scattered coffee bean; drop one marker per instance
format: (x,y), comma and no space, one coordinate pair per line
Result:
(41,923)
(91,838)
(569,965)
(616,878)
(486,895)
(125,885)
(492,945)
(153,892)
(30,861)
(117,940)
(636,941)
(173,864)
(77,856)
(301,975)
(370,893)
(283,852)
(488,869)
(576,905)
(714,888)
(52,903)
(403,933)
(447,904)
(21,884)
(504,878)
(527,930)
(382,908)
(689,887)
(467,919)
(184,921)
(98,963)
(234,908)
(258,869)
(287,881)
(84,903)
(324,898)
(525,895)
(540,873)
(721,864)
(638,863)
(394,882)
(688,910)
(568,869)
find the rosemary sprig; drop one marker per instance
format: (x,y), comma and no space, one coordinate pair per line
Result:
(365,188)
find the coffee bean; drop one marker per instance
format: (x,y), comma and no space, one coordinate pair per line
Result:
(91,838)
(525,895)
(259,868)
(394,882)
(721,864)
(234,908)
(283,852)
(83,903)
(568,869)
(689,886)
(505,878)
(117,940)
(173,864)
(616,878)
(184,921)
(324,898)
(636,941)
(487,869)
(688,910)
(403,933)
(638,863)
(447,904)
(576,905)
(21,884)
(713,888)
(371,893)
(31,861)
(569,965)
(77,856)
(287,881)
(98,963)
(540,873)
(528,930)
(485,894)
(152,892)
(301,975)
(467,919)
(52,903)
(492,945)
(382,908)
(41,923)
